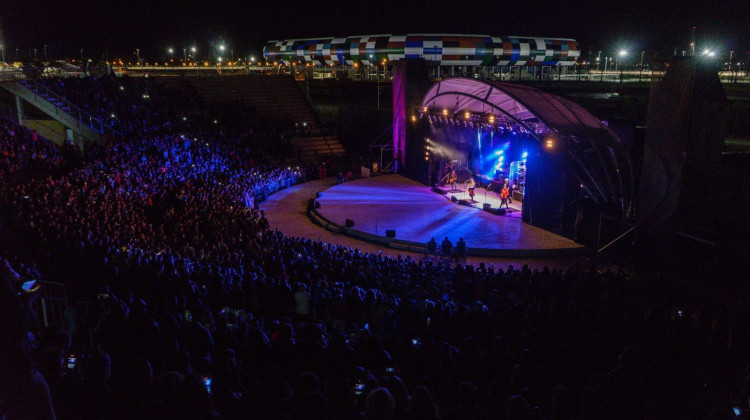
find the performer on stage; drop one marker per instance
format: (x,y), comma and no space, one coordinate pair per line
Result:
(470,185)
(452,179)
(504,195)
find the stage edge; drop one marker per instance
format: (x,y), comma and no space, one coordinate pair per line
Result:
(418,247)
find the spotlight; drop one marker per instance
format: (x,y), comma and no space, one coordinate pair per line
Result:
(491,119)
(413,118)
(445,112)
(467,115)
(549,142)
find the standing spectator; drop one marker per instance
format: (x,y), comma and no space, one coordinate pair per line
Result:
(460,250)
(432,247)
(447,248)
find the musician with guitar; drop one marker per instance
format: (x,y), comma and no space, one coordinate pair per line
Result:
(452,179)
(504,196)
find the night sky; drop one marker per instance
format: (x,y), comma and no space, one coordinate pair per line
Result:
(119,27)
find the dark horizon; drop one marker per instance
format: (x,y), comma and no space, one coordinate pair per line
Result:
(117,29)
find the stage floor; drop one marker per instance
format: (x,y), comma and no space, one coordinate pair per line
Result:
(417,214)
(482,196)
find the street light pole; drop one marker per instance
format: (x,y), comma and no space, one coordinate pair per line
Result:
(184,56)
(378,79)
(640,73)
(434,58)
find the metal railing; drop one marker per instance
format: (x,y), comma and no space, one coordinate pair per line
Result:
(70,108)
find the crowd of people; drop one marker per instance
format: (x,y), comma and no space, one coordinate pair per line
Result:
(194,307)
(129,105)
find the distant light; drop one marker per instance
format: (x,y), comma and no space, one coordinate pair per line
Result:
(221,47)
(193,49)
(623,53)
(170,50)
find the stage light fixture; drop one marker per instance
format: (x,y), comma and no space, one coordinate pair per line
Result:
(413,118)
(491,119)
(445,112)
(467,115)
(549,142)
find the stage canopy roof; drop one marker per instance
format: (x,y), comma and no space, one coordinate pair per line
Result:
(519,103)
(602,161)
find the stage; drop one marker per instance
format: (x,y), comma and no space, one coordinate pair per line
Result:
(481,197)
(416,213)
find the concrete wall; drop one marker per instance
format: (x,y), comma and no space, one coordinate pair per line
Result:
(49,129)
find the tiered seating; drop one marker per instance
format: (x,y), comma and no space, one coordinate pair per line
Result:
(311,148)
(274,98)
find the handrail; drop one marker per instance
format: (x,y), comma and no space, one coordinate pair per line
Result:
(615,240)
(41,90)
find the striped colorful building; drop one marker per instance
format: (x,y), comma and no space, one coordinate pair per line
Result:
(448,49)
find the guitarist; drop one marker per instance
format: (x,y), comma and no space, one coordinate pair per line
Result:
(452,179)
